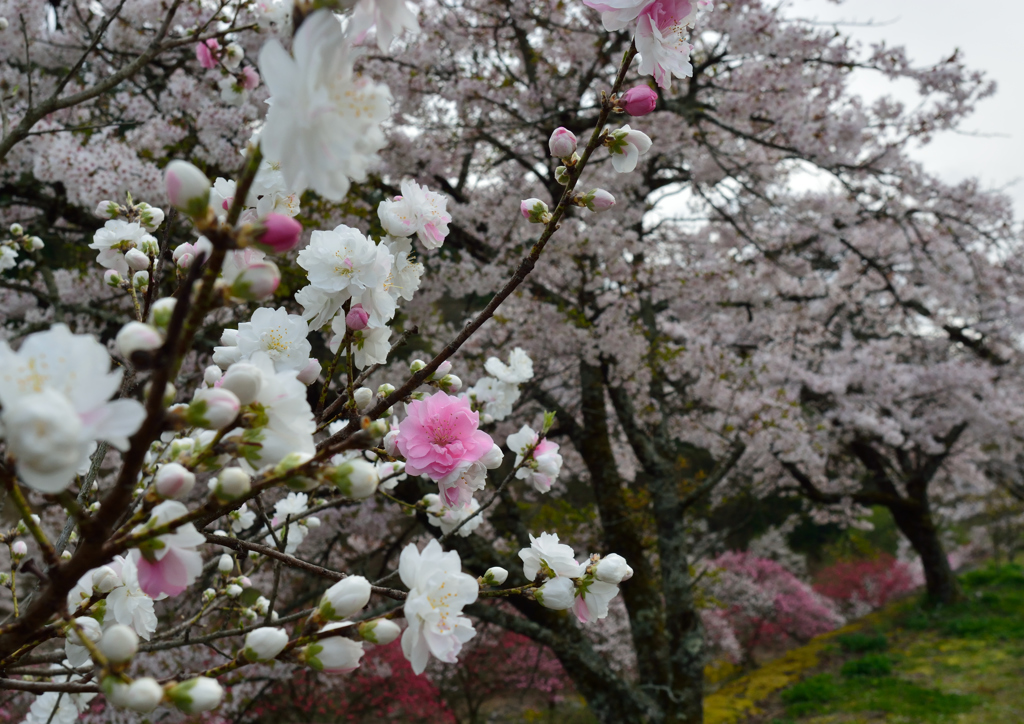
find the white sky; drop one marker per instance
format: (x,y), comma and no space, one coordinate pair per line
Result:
(931,30)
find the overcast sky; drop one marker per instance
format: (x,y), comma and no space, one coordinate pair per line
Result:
(988,40)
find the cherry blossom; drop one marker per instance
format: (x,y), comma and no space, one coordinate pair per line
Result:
(323,126)
(438,590)
(55,392)
(440,434)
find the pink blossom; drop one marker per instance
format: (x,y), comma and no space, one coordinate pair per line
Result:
(204,53)
(439,434)
(170,563)
(661,39)
(250,78)
(639,101)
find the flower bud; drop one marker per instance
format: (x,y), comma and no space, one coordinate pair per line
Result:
(265,643)
(225,564)
(257,282)
(209,594)
(279,233)
(495,576)
(562,175)
(493,458)
(416,365)
(562,143)
(185,260)
(19,549)
(143,695)
(233,55)
(161,312)
(599,200)
(385,389)
(34,243)
(233,591)
(174,481)
(105,579)
(195,695)
(213,408)
(535,211)
(310,373)
(391,443)
(187,188)
(451,383)
(244,380)
(105,210)
(231,484)
(335,655)
(212,374)
(137,261)
(17,230)
(357,318)
(136,337)
(149,216)
(380,631)
(119,644)
(112,279)
(557,594)
(363,396)
(4,24)
(376,429)
(140,280)
(442,369)
(312,522)
(639,101)
(613,568)
(355,478)
(345,598)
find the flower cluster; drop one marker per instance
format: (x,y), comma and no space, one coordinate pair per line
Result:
(586,587)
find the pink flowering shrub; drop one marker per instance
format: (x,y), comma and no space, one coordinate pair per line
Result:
(862,586)
(756,604)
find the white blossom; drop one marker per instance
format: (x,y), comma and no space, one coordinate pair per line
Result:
(55,392)
(323,126)
(547,554)
(438,590)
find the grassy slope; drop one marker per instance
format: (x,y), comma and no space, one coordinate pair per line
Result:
(962,665)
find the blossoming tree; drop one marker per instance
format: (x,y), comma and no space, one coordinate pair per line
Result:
(219,465)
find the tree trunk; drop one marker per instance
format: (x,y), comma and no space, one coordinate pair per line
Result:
(915,522)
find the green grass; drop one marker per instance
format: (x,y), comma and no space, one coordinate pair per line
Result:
(959,662)
(822,694)
(872,666)
(863,643)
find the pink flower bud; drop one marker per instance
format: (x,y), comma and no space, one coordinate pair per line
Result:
(357,317)
(250,78)
(535,211)
(639,101)
(599,200)
(204,53)
(111,278)
(562,143)
(257,281)
(185,261)
(19,548)
(187,188)
(280,233)
(174,481)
